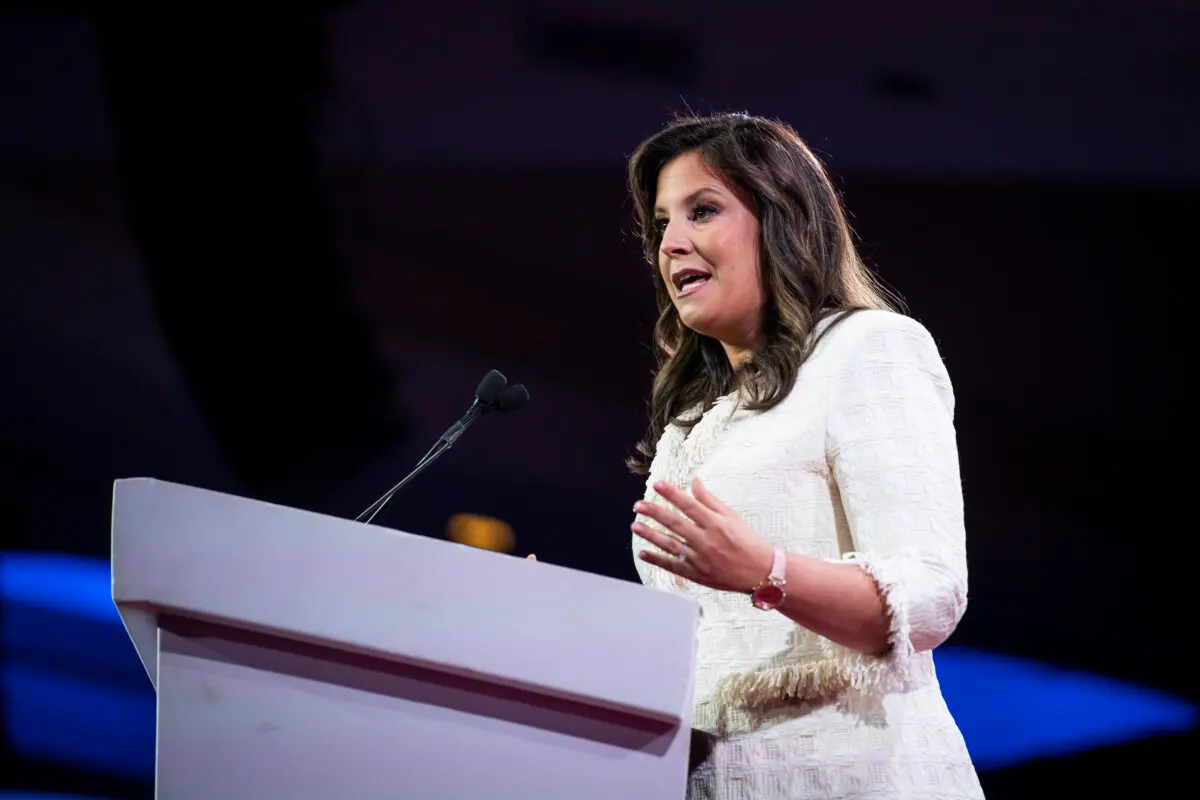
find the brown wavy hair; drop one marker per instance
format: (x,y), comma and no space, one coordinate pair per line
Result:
(809,266)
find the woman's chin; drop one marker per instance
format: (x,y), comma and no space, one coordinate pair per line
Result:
(711,328)
(702,329)
(695,319)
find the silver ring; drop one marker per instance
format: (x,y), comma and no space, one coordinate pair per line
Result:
(682,552)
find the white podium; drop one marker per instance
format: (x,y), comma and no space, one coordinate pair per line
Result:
(302,656)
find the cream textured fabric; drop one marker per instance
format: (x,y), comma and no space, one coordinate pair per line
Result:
(859,463)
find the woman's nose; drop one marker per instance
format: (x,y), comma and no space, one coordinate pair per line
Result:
(675,240)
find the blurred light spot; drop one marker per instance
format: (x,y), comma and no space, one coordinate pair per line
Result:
(642,52)
(908,87)
(487,533)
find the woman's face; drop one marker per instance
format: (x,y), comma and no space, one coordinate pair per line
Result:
(708,256)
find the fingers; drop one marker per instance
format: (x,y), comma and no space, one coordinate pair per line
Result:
(667,562)
(666,517)
(701,493)
(531,557)
(663,541)
(697,511)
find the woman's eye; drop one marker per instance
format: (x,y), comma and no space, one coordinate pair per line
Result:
(699,214)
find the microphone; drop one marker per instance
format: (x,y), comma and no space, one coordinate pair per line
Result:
(512,397)
(492,394)
(486,399)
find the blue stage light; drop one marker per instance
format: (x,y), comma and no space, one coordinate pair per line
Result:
(1011,710)
(67,720)
(70,584)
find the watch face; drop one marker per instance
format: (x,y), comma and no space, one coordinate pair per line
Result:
(767,597)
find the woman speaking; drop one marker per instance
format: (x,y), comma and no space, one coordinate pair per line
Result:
(802,478)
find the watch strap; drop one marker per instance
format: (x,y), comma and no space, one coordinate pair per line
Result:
(778,567)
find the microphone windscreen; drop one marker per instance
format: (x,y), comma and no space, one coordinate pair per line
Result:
(490,387)
(512,397)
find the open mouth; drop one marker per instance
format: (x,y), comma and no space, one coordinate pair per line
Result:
(688,281)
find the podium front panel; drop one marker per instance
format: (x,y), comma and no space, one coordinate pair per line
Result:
(246,716)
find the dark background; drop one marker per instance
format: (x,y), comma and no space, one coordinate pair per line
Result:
(272,254)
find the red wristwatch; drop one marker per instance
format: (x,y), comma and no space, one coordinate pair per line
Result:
(769,594)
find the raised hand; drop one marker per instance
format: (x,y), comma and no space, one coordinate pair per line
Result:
(712,545)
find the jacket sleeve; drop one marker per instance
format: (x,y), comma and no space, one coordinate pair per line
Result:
(892,451)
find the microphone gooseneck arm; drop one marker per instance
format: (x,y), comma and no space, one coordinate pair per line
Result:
(379,504)
(492,395)
(444,443)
